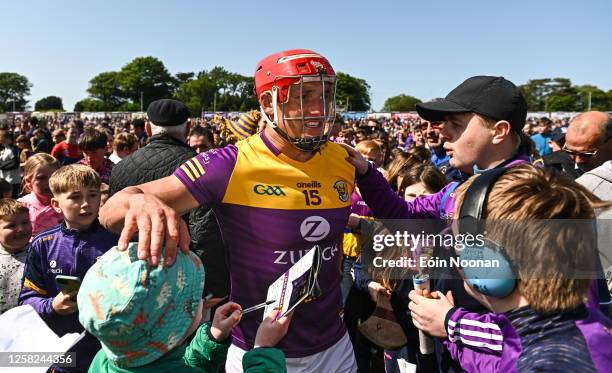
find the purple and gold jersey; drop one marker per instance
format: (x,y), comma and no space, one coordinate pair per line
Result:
(271,211)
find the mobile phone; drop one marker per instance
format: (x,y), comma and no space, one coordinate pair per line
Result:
(68,284)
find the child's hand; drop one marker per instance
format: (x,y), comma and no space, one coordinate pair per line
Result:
(65,304)
(271,331)
(428,314)
(226,317)
(375,290)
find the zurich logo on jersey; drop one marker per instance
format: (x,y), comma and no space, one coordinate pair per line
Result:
(314,228)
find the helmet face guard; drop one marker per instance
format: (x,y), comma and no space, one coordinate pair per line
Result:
(308,107)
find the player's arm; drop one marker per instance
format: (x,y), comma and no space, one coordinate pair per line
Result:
(33,289)
(382,200)
(154,210)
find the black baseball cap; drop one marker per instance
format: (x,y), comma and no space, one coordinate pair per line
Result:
(492,96)
(168,113)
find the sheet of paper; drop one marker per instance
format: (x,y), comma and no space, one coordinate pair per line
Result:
(22,330)
(289,289)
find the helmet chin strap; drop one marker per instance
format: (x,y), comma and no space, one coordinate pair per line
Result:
(303,145)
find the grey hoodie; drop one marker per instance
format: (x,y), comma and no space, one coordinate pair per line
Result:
(599,181)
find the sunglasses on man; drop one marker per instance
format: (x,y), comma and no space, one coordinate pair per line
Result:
(590,154)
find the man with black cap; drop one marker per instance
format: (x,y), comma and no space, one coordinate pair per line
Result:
(482,121)
(168,128)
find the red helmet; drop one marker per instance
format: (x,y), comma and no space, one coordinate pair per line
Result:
(279,68)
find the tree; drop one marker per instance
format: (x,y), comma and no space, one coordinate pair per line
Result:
(146,78)
(401,103)
(354,93)
(182,78)
(546,94)
(49,103)
(217,89)
(13,90)
(90,104)
(600,100)
(106,87)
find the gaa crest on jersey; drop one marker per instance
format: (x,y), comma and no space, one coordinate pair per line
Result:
(342,189)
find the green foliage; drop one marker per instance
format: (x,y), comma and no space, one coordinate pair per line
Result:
(558,94)
(401,102)
(353,93)
(145,77)
(219,90)
(91,104)
(49,103)
(13,90)
(106,87)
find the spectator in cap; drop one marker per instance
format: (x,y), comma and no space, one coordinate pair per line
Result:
(589,140)
(482,122)
(166,151)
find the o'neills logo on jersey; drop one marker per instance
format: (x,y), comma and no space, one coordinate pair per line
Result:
(310,184)
(268,190)
(314,228)
(342,189)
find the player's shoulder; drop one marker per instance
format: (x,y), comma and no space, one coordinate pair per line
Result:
(335,155)
(46,236)
(333,149)
(218,156)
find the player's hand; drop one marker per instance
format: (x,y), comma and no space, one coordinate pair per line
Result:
(428,314)
(271,331)
(225,318)
(356,159)
(159,228)
(375,290)
(65,304)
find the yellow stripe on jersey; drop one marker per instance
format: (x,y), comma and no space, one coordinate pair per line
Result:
(262,179)
(30,285)
(193,168)
(199,166)
(187,172)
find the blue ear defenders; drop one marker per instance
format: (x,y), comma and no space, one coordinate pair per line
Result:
(496,281)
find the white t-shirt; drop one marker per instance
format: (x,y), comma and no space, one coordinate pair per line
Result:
(12,176)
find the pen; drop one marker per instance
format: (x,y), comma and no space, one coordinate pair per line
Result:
(256,307)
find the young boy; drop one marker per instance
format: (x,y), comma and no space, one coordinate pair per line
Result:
(15,234)
(142,316)
(543,323)
(93,144)
(69,249)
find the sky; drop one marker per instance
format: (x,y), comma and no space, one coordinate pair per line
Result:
(420,48)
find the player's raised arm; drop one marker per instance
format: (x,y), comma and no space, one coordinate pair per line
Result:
(153,210)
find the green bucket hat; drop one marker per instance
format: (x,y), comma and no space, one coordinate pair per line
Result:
(139,312)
